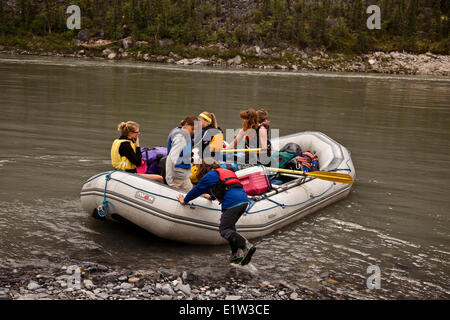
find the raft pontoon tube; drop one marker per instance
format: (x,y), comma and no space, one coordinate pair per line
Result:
(155,207)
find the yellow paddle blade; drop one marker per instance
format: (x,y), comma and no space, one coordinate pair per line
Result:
(323,175)
(331,176)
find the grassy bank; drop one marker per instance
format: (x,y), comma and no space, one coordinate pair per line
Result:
(54,43)
(224,55)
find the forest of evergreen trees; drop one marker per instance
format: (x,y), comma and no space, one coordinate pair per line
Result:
(336,25)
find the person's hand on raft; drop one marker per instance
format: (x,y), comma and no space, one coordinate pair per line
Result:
(206,196)
(181,199)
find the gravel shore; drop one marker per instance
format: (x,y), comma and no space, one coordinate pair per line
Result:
(255,57)
(56,280)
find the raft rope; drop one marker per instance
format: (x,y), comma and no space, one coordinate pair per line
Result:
(103,209)
(252,203)
(271,200)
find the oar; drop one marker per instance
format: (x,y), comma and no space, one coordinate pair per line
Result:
(240,150)
(324,175)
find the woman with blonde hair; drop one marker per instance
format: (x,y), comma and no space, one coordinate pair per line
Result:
(252,134)
(208,142)
(126,152)
(212,134)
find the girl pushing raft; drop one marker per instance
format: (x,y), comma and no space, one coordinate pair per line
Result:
(224,186)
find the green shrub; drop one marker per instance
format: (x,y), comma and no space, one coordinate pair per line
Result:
(39,24)
(339,37)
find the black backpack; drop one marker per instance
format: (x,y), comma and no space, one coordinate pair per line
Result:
(162,168)
(292,147)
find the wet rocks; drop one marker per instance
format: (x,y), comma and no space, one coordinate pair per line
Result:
(88,284)
(112,56)
(100,282)
(167,289)
(283,57)
(233,297)
(185,288)
(293,296)
(107,52)
(33,286)
(123,278)
(405,63)
(40,296)
(126,286)
(126,43)
(237,60)
(133,280)
(195,61)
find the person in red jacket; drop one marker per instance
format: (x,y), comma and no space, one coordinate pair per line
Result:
(224,186)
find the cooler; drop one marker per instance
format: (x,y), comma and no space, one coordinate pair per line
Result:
(254,180)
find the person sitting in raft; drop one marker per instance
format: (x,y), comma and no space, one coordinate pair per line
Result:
(262,118)
(126,152)
(224,186)
(178,161)
(253,134)
(208,143)
(211,138)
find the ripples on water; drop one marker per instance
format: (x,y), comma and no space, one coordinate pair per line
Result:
(326,247)
(62,123)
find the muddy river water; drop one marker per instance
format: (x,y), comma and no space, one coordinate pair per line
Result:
(59,116)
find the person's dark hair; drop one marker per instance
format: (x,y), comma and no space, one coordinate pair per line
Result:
(262,115)
(189,120)
(207,165)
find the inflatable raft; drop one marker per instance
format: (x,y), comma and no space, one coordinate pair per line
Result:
(154,206)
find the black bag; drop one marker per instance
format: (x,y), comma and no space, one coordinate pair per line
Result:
(162,168)
(292,147)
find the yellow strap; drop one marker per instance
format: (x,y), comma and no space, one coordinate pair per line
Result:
(241,150)
(204,116)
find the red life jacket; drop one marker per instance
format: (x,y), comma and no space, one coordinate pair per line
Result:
(307,162)
(227,180)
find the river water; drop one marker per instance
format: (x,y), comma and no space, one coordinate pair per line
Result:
(59,116)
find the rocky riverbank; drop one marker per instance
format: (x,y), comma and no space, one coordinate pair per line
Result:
(54,280)
(223,56)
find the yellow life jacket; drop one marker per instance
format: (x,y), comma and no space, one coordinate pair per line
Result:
(120,162)
(216,143)
(193,176)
